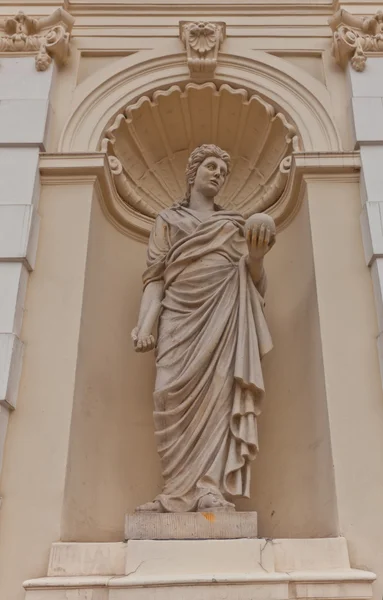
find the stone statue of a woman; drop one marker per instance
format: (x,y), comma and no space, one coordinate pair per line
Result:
(205,282)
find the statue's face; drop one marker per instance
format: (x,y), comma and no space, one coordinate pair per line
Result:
(210,176)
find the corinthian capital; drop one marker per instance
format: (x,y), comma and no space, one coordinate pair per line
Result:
(47,37)
(354,37)
(202,41)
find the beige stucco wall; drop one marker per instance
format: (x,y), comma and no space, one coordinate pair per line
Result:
(354,393)
(80,450)
(113,464)
(293,485)
(36,451)
(91,433)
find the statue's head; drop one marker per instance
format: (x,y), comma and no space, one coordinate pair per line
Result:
(207,168)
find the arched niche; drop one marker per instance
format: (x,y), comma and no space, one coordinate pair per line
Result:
(101,101)
(112,454)
(149,142)
(100,97)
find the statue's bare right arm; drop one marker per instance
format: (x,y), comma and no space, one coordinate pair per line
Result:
(142,335)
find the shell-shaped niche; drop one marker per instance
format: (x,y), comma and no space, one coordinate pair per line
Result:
(149,143)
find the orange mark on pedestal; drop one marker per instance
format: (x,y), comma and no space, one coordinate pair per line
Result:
(209,516)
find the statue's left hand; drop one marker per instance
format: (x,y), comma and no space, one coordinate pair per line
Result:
(259,241)
(142,342)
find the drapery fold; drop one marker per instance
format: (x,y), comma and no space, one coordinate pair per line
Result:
(212,336)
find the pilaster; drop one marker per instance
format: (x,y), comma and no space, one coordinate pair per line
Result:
(366,91)
(24,112)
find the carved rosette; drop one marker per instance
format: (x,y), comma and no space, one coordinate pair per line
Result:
(48,37)
(149,143)
(202,42)
(354,37)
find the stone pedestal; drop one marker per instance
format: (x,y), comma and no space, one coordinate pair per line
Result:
(191,526)
(249,569)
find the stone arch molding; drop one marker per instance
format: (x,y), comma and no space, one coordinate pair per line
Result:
(297,97)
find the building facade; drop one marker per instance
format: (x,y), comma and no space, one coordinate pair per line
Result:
(100,103)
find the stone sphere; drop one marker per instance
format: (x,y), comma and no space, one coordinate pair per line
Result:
(255,221)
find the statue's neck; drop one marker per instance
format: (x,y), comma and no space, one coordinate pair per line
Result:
(201,203)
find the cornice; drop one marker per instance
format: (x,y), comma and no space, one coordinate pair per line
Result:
(241,27)
(158,19)
(360,7)
(307,166)
(180,9)
(93,167)
(200,7)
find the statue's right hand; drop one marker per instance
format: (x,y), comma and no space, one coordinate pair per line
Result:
(142,342)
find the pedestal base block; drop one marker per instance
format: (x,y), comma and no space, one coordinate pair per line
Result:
(191,526)
(241,569)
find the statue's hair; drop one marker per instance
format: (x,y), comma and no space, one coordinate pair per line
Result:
(196,158)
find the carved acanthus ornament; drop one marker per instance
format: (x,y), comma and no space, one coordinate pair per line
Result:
(354,37)
(49,36)
(202,42)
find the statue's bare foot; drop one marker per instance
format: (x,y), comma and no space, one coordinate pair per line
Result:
(211,502)
(154,506)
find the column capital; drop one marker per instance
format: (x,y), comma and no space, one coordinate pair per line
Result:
(48,37)
(355,36)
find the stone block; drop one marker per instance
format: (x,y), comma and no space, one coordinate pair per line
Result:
(372,172)
(368,120)
(191,526)
(13,188)
(379,341)
(371,220)
(13,285)
(4,417)
(19,79)
(68,559)
(24,122)
(198,558)
(310,554)
(368,82)
(205,590)
(19,226)
(342,587)
(64,594)
(377,281)
(11,354)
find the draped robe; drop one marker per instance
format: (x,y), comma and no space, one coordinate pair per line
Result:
(212,335)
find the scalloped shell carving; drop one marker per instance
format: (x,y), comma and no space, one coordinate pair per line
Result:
(149,143)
